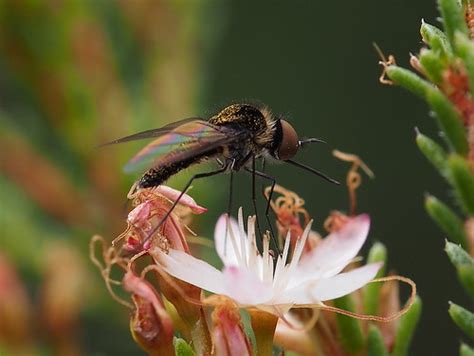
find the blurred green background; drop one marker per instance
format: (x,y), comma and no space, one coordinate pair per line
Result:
(74,74)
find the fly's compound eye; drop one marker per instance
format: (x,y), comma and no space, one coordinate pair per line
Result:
(289,142)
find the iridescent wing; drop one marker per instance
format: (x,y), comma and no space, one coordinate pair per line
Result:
(190,139)
(153,132)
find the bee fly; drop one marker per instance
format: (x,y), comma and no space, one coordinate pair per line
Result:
(235,138)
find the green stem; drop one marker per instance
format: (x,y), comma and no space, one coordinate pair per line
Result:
(350,328)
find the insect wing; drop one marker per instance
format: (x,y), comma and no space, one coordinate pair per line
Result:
(196,149)
(187,137)
(153,132)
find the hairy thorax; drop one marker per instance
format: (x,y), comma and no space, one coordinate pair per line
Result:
(256,121)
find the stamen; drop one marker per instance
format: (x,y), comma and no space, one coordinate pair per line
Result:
(252,247)
(270,270)
(267,272)
(243,240)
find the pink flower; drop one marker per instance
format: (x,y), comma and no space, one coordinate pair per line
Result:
(228,334)
(250,279)
(151,205)
(150,324)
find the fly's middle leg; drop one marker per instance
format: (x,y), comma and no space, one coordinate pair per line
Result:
(196,176)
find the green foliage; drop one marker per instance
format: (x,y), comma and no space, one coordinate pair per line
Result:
(436,39)
(433,65)
(466,277)
(457,255)
(375,342)
(463,318)
(464,265)
(409,80)
(182,348)
(350,330)
(448,65)
(446,219)
(449,120)
(463,181)
(378,253)
(465,350)
(406,328)
(434,153)
(453,19)
(466,53)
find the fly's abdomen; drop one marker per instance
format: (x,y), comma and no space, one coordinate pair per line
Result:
(157,176)
(160,174)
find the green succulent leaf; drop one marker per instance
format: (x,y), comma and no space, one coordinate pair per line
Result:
(463,180)
(463,318)
(409,80)
(449,120)
(457,255)
(466,276)
(349,328)
(453,19)
(446,219)
(182,348)
(378,253)
(433,65)
(406,328)
(466,52)
(464,265)
(375,342)
(465,350)
(436,39)
(434,153)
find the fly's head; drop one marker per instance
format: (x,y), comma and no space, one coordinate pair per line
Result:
(285,141)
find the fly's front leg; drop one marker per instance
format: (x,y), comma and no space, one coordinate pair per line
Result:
(254,196)
(267,209)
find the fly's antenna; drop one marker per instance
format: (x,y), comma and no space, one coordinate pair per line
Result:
(310,140)
(312,170)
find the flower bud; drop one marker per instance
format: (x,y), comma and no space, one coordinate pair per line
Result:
(151,206)
(150,325)
(228,334)
(389,305)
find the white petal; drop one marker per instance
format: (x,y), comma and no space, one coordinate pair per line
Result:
(226,228)
(316,291)
(345,283)
(192,270)
(281,261)
(335,251)
(244,286)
